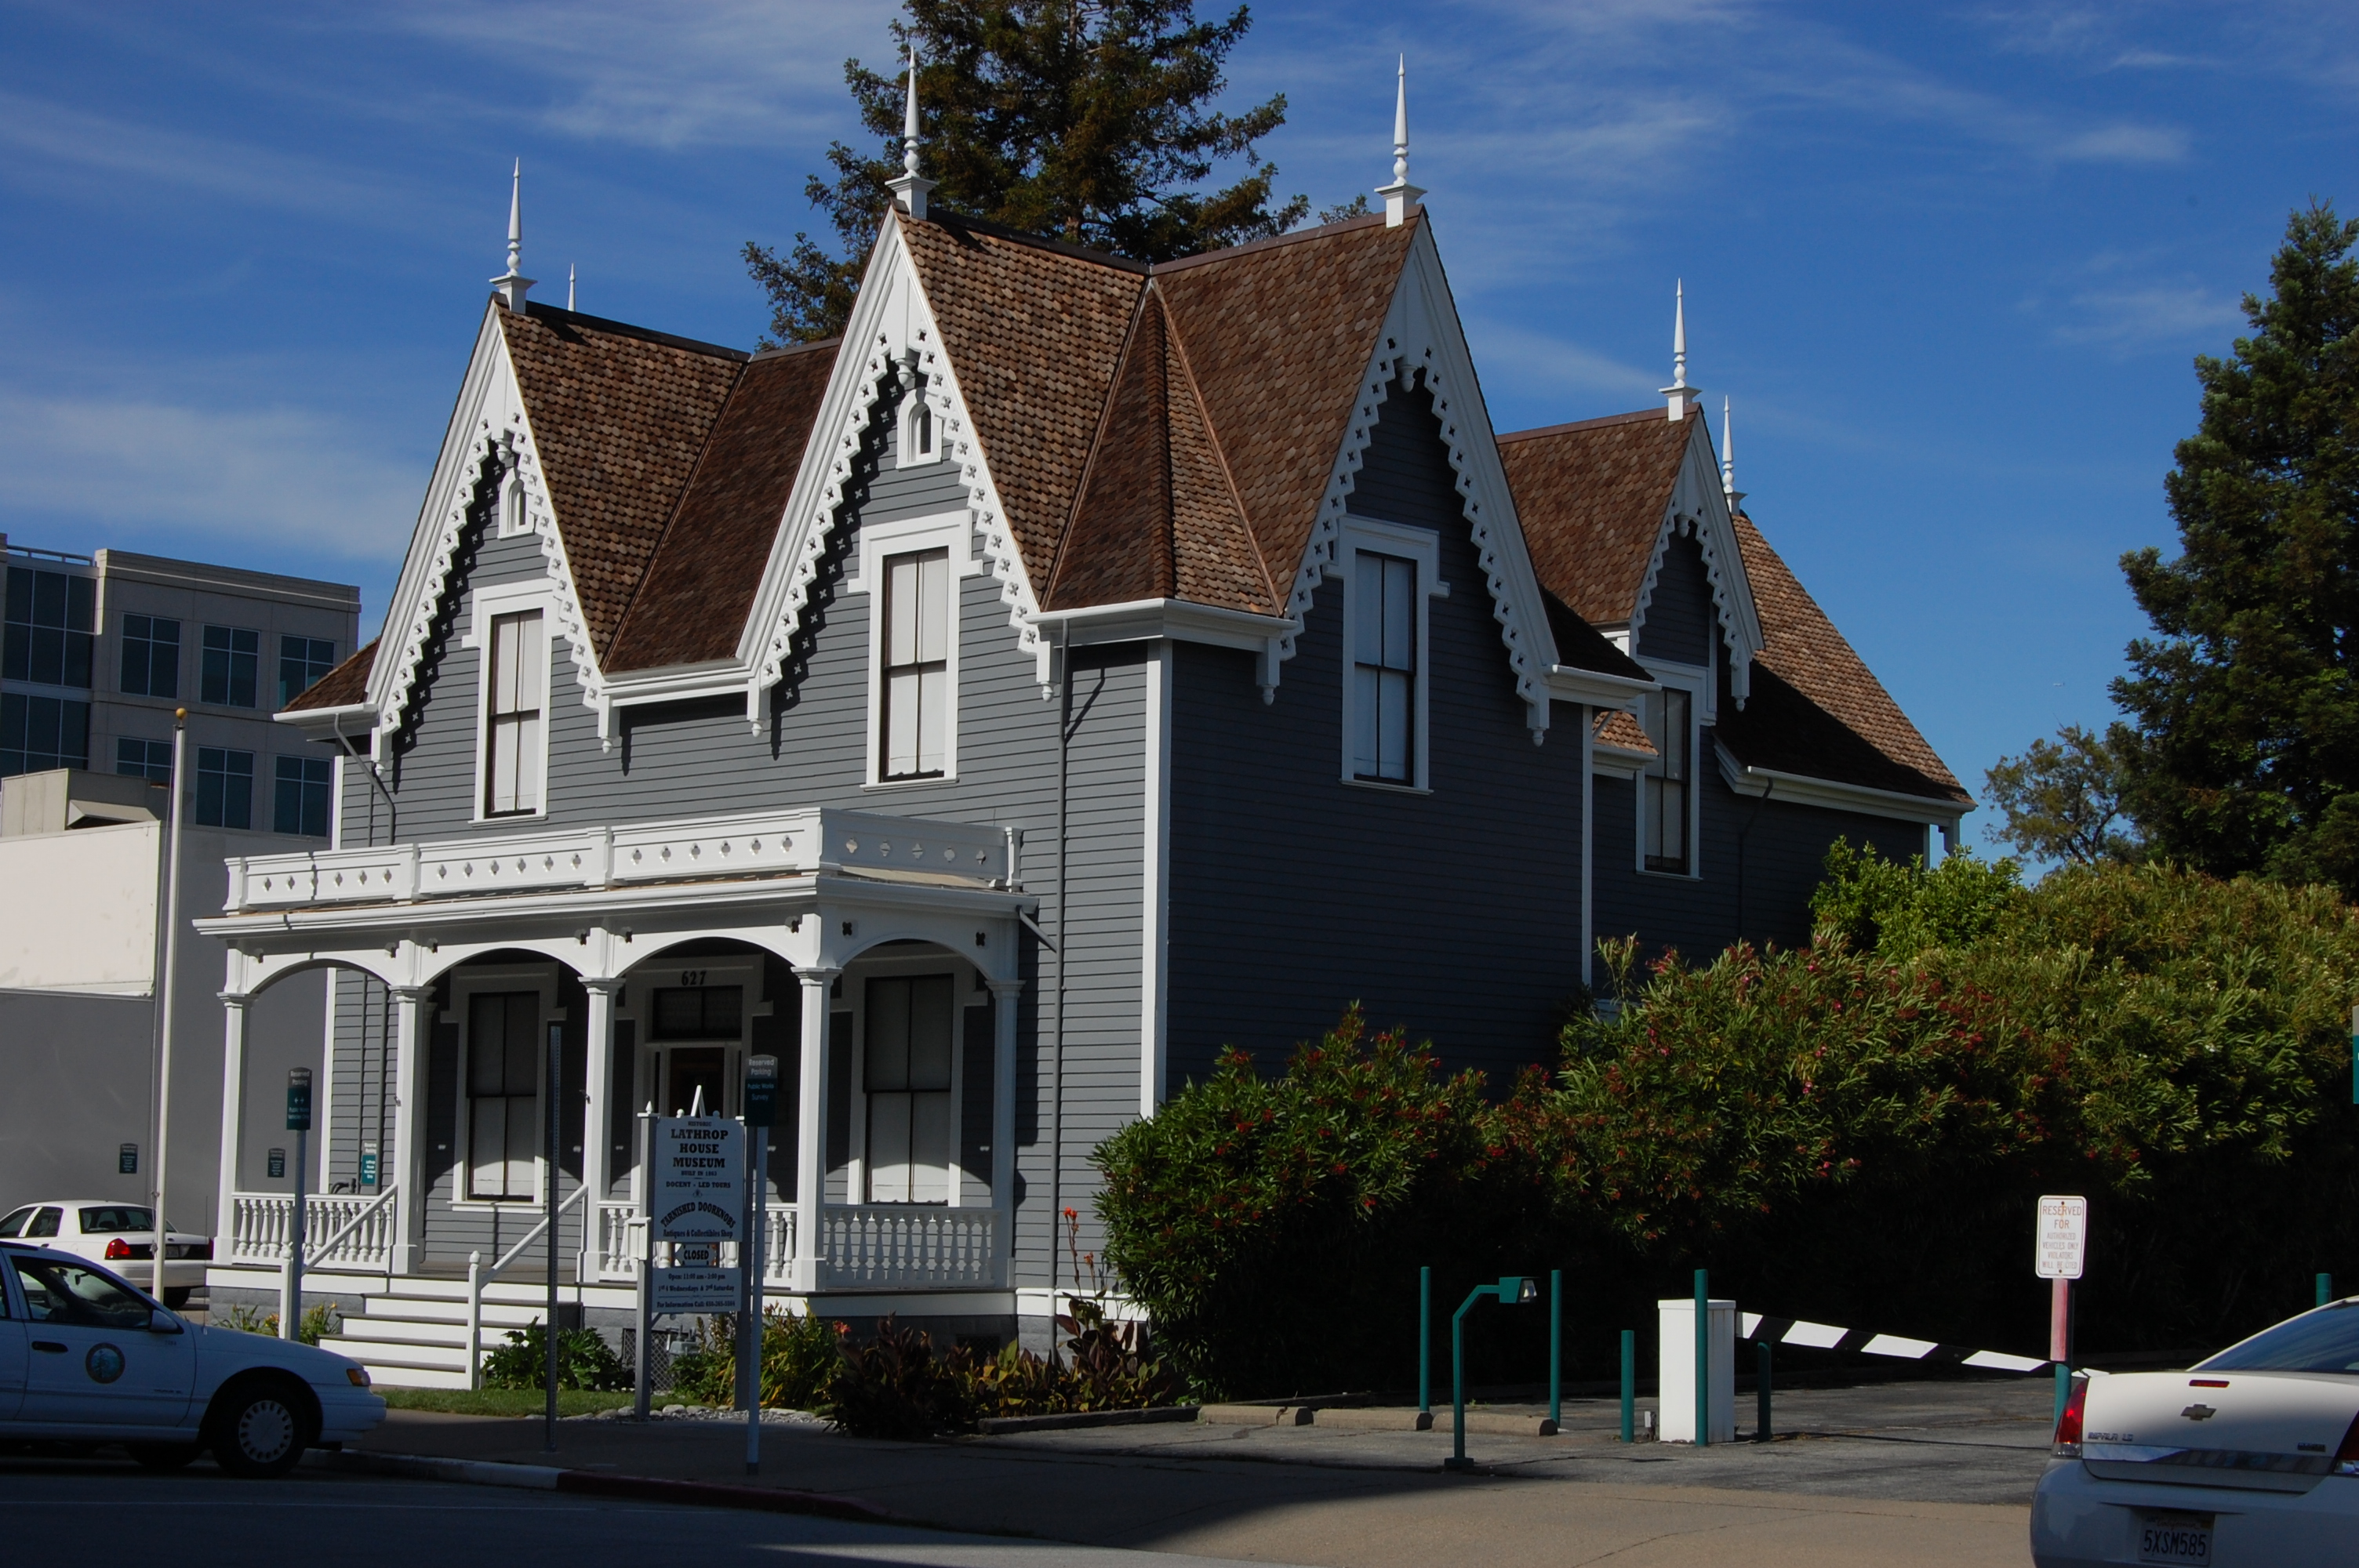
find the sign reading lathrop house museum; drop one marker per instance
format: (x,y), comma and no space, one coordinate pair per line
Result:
(698,1201)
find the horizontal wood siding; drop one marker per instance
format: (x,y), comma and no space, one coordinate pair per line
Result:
(360,1108)
(1681,624)
(1457,915)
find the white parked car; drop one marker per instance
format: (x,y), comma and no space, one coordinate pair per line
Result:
(120,1235)
(85,1358)
(2251,1457)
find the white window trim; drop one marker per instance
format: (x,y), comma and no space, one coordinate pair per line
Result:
(1423,545)
(1696,682)
(952,533)
(465,986)
(485,605)
(855,1004)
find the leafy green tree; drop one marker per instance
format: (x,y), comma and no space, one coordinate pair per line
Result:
(2061,800)
(1087,120)
(2245,700)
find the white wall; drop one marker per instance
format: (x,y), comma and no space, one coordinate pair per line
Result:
(78,911)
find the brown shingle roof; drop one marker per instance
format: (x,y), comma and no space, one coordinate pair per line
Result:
(340,687)
(700,584)
(1591,497)
(1816,709)
(619,415)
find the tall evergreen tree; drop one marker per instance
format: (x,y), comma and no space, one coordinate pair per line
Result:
(1086,120)
(2246,701)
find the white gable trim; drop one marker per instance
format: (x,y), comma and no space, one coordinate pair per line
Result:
(1698,506)
(490,419)
(892,326)
(1421,331)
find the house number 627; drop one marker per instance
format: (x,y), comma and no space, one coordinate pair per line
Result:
(692,977)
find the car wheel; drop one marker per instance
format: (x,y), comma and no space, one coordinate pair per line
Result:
(178,1298)
(166,1456)
(258,1432)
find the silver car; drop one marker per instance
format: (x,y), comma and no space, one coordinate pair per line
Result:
(2251,1457)
(87,1357)
(120,1235)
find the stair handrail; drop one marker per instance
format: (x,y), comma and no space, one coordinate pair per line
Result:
(477,1278)
(314,1254)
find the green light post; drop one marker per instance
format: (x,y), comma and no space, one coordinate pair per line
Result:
(1425,1342)
(1702,1358)
(2325,1289)
(1761,1391)
(1513,1290)
(1629,1385)
(1556,1348)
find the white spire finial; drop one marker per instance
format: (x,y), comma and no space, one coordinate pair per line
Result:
(569,286)
(909,187)
(1400,196)
(512,285)
(1682,397)
(1728,459)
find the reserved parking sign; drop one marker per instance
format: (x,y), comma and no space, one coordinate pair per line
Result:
(2061,1240)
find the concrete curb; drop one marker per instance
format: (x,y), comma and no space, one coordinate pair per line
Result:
(1002,1425)
(591,1483)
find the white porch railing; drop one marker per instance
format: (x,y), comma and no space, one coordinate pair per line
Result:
(478,1277)
(780,843)
(359,1228)
(888,1246)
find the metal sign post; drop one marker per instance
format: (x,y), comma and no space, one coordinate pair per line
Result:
(640,1390)
(761,1111)
(554,1076)
(299,1122)
(2060,1247)
(167,928)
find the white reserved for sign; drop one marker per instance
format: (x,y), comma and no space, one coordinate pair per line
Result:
(2062,1242)
(699,1164)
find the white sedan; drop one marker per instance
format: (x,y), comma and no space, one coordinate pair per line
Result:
(85,1358)
(120,1235)
(2251,1457)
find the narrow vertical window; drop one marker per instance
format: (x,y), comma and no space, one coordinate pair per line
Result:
(917,698)
(233,666)
(503,1093)
(1665,805)
(512,738)
(1384,658)
(151,657)
(299,795)
(225,787)
(906,1075)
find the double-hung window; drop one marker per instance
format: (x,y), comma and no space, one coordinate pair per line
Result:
(516,673)
(503,1093)
(233,666)
(906,1073)
(225,787)
(151,657)
(915,732)
(49,629)
(1384,668)
(1664,807)
(299,795)
(302,661)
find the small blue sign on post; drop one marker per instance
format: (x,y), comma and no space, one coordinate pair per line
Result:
(126,1160)
(368,1167)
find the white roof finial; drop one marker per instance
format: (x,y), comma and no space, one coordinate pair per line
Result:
(1400,196)
(1728,460)
(909,187)
(512,285)
(569,286)
(1682,398)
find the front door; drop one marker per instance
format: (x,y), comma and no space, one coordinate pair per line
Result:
(93,1360)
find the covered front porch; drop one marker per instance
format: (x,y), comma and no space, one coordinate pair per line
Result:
(880,959)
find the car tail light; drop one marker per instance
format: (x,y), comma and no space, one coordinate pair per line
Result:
(117,1250)
(2068,1425)
(2346,1459)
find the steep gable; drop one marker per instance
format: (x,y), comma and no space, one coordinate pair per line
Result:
(1591,495)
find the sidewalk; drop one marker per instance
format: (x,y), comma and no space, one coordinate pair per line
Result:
(1925,1473)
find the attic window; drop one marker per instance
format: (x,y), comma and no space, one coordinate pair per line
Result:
(920,440)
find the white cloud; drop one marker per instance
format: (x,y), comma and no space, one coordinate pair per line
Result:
(2151,316)
(233,477)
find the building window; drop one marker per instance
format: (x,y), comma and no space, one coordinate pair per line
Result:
(302,661)
(38,733)
(1384,668)
(49,636)
(1664,807)
(502,1094)
(512,734)
(224,788)
(697,1013)
(151,657)
(918,443)
(916,719)
(300,802)
(233,666)
(150,759)
(905,1072)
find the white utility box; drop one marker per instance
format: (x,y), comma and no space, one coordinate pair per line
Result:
(1675,1371)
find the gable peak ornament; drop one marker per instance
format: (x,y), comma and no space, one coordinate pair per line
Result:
(1728,461)
(512,285)
(1401,196)
(910,188)
(1682,398)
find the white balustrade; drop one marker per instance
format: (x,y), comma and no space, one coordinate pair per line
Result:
(787,843)
(890,1246)
(621,1233)
(262,1224)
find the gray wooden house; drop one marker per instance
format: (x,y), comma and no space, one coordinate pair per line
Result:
(1078,668)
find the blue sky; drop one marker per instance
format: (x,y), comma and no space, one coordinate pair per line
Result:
(1950,262)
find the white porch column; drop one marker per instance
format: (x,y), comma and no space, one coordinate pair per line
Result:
(598,1070)
(413,1032)
(1005,996)
(232,1117)
(810,1132)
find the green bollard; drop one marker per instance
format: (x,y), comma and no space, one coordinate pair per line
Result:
(2325,1289)
(1556,1347)
(1761,1391)
(1425,1342)
(1702,1358)
(1629,1385)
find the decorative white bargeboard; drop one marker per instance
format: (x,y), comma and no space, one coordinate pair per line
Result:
(776,844)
